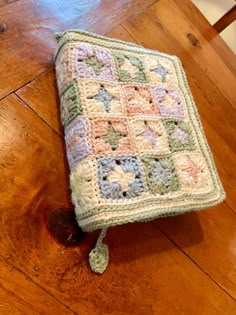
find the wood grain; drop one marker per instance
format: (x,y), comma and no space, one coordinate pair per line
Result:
(32,164)
(28,44)
(25,133)
(42,96)
(210,34)
(19,295)
(218,236)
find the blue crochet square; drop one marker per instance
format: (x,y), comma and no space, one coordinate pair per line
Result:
(120,177)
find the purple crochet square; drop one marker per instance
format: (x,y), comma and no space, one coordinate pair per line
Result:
(93,63)
(170,102)
(77,146)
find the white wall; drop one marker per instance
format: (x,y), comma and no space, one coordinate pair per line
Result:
(213,10)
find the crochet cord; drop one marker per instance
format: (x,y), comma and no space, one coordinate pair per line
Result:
(99,256)
(101,236)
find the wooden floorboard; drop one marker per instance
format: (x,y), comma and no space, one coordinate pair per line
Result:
(42,96)
(209,33)
(204,237)
(179,265)
(20,295)
(203,53)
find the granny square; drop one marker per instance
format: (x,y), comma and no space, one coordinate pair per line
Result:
(161,174)
(92,62)
(150,136)
(180,135)
(120,178)
(170,101)
(129,68)
(139,100)
(110,136)
(135,143)
(102,98)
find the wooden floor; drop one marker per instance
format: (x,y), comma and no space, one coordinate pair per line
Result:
(181,265)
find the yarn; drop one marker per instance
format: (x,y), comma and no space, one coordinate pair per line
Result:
(99,256)
(105,97)
(134,140)
(162,71)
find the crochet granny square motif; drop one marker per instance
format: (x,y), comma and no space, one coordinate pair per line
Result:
(135,144)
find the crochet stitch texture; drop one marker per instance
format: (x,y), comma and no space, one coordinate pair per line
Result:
(135,144)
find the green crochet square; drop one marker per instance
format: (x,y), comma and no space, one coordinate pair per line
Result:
(179,134)
(70,104)
(130,69)
(160,174)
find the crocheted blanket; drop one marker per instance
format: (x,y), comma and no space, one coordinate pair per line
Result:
(135,144)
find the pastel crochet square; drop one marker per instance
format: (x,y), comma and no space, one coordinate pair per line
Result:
(150,136)
(129,68)
(120,177)
(110,136)
(91,62)
(170,101)
(180,135)
(101,98)
(160,174)
(135,142)
(70,103)
(193,172)
(160,70)
(140,100)
(76,137)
